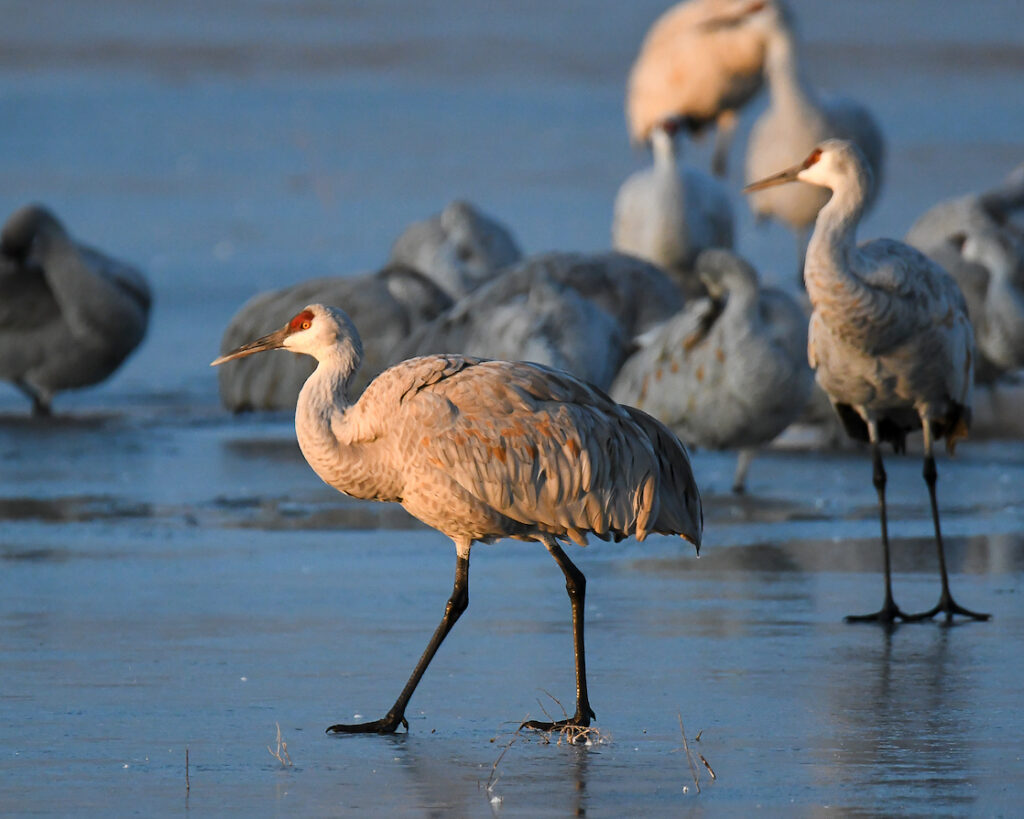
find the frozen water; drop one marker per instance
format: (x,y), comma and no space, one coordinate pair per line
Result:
(172,578)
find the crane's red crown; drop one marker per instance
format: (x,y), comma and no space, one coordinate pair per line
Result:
(814,157)
(303,321)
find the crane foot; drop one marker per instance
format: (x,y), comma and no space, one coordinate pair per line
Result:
(889,613)
(574,729)
(948,606)
(386,725)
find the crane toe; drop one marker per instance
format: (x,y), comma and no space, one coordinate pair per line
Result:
(948,606)
(574,728)
(889,613)
(387,724)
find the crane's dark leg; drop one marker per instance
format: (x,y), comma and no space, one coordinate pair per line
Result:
(946,604)
(889,612)
(40,406)
(576,586)
(457,603)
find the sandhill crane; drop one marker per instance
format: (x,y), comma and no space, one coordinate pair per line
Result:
(570,311)
(701,63)
(69,315)
(1000,324)
(459,248)
(669,213)
(390,303)
(796,120)
(974,238)
(729,371)
(889,339)
(637,293)
(988,210)
(482,450)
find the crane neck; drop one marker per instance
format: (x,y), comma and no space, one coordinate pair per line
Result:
(741,291)
(787,81)
(831,265)
(323,399)
(663,146)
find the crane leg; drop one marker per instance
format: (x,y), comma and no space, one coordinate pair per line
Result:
(739,481)
(889,612)
(946,605)
(457,603)
(725,125)
(40,406)
(576,586)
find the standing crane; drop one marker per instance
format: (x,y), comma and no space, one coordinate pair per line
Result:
(700,62)
(796,120)
(728,371)
(69,315)
(889,339)
(481,450)
(668,213)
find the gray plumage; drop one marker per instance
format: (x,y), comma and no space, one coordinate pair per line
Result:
(568,311)
(482,450)
(999,327)
(728,372)
(459,248)
(976,240)
(796,120)
(390,303)
(669,213)
(889,338)
(69,314)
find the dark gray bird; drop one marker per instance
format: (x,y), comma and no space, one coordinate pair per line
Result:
(889,339)
(69,314)
(728,371)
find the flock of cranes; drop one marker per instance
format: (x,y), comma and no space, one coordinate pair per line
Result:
(433,406)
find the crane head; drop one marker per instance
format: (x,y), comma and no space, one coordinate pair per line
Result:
(313,330)
(825,166)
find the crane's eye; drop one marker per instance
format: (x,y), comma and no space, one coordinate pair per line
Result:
(303,321)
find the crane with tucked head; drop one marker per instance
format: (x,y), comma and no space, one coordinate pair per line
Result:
(890,340)
(482,450)
(728,371)
(69,314)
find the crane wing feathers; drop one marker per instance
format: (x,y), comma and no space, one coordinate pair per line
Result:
(911,293)
(537,445)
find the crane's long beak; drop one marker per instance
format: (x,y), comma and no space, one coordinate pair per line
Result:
(780,178)
(271,341)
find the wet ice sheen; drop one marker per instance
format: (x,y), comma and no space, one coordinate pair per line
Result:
(172,578)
